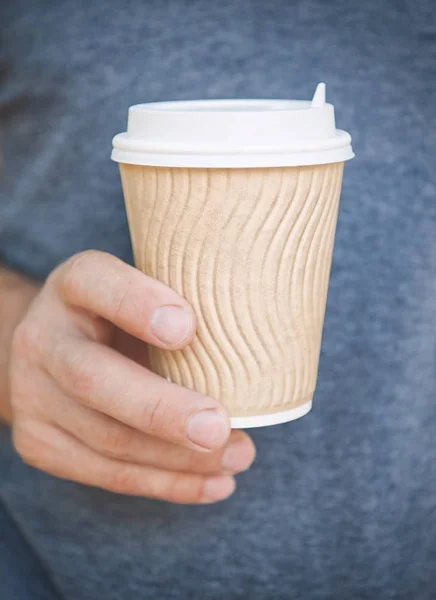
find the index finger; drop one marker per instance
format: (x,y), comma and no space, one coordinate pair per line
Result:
(140,305)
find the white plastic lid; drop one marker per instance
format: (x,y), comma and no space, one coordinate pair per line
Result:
(233,133)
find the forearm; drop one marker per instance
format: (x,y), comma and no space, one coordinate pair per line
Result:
(16,293)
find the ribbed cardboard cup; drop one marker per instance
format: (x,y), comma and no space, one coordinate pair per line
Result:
(234,205)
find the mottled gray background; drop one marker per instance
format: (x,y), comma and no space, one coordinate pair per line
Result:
(341,504)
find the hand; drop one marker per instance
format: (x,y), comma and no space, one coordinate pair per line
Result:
(85,406)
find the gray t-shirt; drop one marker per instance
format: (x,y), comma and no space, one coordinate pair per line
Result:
(342,503)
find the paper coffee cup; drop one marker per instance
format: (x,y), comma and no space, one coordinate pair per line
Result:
(233,203)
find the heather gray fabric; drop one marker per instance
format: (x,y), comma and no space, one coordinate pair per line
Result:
(21,574)
(342,503)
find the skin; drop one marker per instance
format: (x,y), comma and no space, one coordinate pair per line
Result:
(75,386)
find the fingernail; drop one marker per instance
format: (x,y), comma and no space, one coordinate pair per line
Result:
(208,428)
(238,456)
(218,488)
(171,324)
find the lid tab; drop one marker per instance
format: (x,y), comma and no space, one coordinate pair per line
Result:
(318,100)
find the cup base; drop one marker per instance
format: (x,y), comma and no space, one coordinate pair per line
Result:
(271,418)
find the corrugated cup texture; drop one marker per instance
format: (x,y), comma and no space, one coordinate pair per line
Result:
(251,250)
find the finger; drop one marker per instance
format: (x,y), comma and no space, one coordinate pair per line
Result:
(114,439)
(47,448)
(140,305)
(108,382)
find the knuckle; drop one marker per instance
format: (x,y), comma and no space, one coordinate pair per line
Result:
(116,440)
(121,300)
(156,415)
(83,378)
(199,462)
(128,299)
(26,337)
(73,272)
(77,373)
(26,444)
(181,488)
(123,480)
